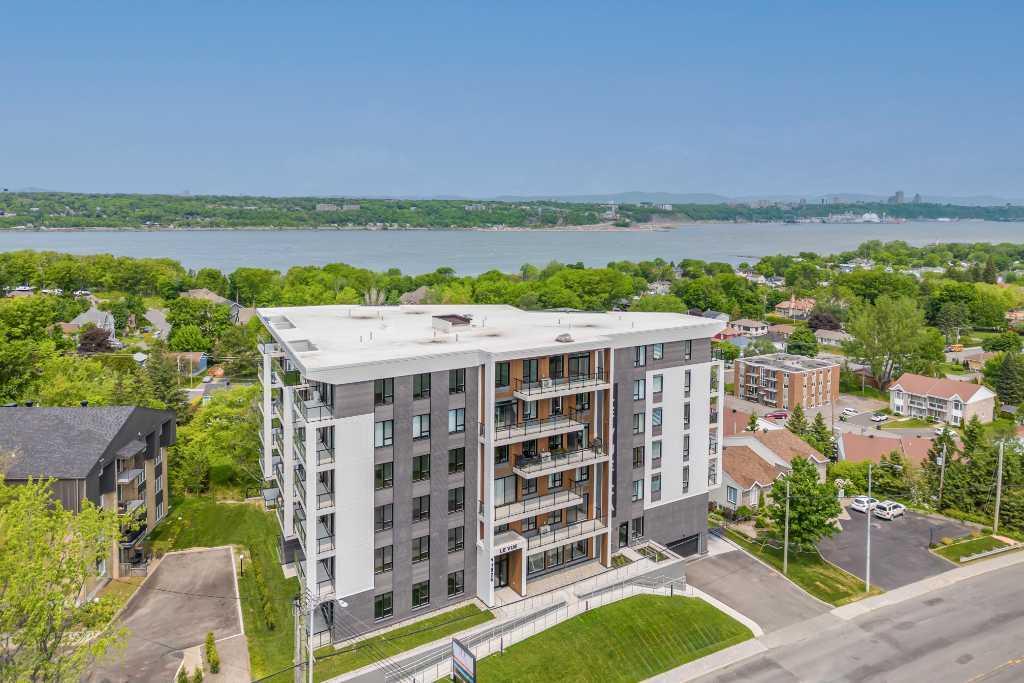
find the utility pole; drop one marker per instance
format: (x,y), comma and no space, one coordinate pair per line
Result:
(785,541)
(999,489)
(942,475)
(867,516)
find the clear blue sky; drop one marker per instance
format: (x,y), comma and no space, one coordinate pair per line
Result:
(474,99)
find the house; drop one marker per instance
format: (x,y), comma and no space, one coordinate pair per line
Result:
(190,362)
(976,362)
(716,315)
(659,287)
(783,380)
(783,331)
(735,422)
(941,399)
(753,460)
(213,297)
(870,448)
(113,457)
(752,328)
(416,296)
(775,281)
(97,318)
(832,337)
(798,309)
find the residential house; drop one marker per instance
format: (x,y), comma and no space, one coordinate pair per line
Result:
(1015,318)
(798,309)
(190,362)
(416,296)
(716,315)
(941,399)
(751,458)
(237,309)
(783,380)
(97,318)
(832,337)
(659,287)
(751,328)
(735,421)
(870,448)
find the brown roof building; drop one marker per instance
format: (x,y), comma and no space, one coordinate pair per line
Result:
(783,380)
(941,399)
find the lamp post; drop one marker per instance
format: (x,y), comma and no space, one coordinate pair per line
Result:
(785,537)
(868,514)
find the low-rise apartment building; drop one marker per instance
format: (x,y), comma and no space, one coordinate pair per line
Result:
(784,380)
(751,328)
(941,399)
(114,457)
(426,455)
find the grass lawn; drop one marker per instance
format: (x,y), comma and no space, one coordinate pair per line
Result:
(955,551)
(808,570)
(867,392)
(120,591)
(201,522)
(629,640)
(331,662)
(909,423)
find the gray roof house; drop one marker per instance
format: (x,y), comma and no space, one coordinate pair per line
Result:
(94,316)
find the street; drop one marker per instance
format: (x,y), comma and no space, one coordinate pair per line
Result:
(970,631)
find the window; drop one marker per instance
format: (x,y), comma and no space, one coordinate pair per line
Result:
(160,510)
(686,416)
(638,457)
(582,473)
(421,385)
(456,539)
(529,487)
(530,448)
(383,475)
(555,442)
(638,490)
(420,594)
(583,401)
(501,374)
(639,356)
(500,455)
(456,499)
(456,420)
(656,487)
(638,423)
(639,389)
(383,559)
(159,458)
(713,472)
(421,467)
(457,381)
(686,448)
(383,391)
(536,563)
(579,549)
(456,583)
(420,549)
(383,606)
(504,490)
(383,517)
(554,517)
(159,485)
(529,410)
(686,384)
(686,478)
(579,365)
(529,524)
(531,371)
(556,406)
(657,351)
(421,426)
(731,494)
(655,454)
(658,383)
(687,349)
(555,367)
(656,417)
(383,433)
(623,534)
(638,527)
(456,460)
(421,508)
(555,481)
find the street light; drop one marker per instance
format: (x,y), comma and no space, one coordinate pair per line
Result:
(868,515)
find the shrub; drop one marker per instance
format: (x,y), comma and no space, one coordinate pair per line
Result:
(986,530)
(182,675)
(976,534)
(946,540)
(743,512)
(262,593)
(197,675)
(212,657)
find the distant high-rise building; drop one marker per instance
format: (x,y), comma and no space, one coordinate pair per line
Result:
(917,198)
(897,198)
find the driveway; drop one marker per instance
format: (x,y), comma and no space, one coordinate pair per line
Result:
(158,319)
(751,588)
(899,549)
(187,595)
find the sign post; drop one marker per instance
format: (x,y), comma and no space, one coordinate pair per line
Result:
(463,663)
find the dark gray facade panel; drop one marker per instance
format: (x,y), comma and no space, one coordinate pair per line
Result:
(675,521)
(353,399)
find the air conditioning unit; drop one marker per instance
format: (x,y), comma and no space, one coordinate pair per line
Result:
(546,383)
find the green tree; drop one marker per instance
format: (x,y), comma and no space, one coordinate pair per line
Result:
(728,351)
(952,318)
(1008,379)
(47,555)
(752,423)
(888,336)
(820,436)
(759,346)
(802,342)
(813,506)
(797,421)
(663,303)
(1007,341)
(163,376)
(189,338)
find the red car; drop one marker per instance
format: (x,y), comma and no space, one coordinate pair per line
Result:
(778,415)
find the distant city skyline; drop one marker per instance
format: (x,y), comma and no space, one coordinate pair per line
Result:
(480,101)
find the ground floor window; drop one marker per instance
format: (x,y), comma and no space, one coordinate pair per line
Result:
(420,594)
(536,563)
(456,583)
(638,527)
(383,606)
(624,534)
(731,494)
(579,549)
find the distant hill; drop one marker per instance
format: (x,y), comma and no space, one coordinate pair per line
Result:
(638,197)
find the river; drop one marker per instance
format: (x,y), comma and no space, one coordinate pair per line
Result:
(472,252)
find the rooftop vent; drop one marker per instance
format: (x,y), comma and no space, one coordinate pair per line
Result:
(564,338)
(446,323)
(280,322)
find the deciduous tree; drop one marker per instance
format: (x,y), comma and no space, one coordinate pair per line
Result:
(813,506)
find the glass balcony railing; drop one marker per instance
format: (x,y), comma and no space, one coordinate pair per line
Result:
(538,505)
(557,536)
(534,465)
(537,388)
(310,407)
(532,429)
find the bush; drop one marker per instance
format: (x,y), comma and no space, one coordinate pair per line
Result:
(743,512)
(761,522)
(197,675)
(946,540)
(212,658)
(182,675)
(976,534)
(261,590)
(986,530)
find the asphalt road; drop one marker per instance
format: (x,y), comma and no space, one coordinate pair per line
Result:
(899,548)
(971,631)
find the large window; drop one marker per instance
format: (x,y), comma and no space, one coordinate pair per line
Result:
(639,356)
(686,384)
(531,371)
(456,460)
(420,594)
(421,467)
(421,508)
(582,473)
(536,563)
(639,389)
(456,539)
(579,365)
(501,374)
(638,490)
(686,448)
(638,423)
(687,349)
(383,605)
(504,413)
(505,490)
(383,559)
(657,351)
(383,433)
(656,417)
(686,478)
(731,494)
(501,455)
(384,475)
(421,426)
(457,381)
(555,481)
(656,487)
(456,583)
(655,454)
(529,487)
(638,527)
(583,401)
(456,420)
(686,416)
(421,385)
(555,367)
(383,391)
(383,517)
(556,406)
(529,411)
(456,499)
(420,549)
(638,457)
(658,383)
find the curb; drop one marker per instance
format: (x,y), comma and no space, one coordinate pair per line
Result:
(800,588)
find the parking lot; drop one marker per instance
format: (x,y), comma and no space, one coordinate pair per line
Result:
(899,548)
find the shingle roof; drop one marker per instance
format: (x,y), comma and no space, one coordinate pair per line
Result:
(940,387)
(64,443)
(788,445)
(746,467)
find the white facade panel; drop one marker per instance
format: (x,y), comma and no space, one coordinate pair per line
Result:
(353,494)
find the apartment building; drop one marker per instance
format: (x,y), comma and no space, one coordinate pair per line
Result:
(112,456)
(426,455)
(784,380)
(941,399)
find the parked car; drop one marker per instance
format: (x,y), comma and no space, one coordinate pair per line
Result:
(879,417)
(850,412)
(940,430)
(863,503)
(888,509)
(778,415)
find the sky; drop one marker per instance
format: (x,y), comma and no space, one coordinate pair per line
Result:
(481,99)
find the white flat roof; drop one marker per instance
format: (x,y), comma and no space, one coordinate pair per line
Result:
(321,339)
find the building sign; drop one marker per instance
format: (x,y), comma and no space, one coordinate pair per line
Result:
(508,547)
(463,663)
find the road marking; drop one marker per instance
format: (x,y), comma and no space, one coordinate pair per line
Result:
(1002,667)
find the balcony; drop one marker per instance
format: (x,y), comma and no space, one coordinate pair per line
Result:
(517,432)
(289,378)
(269,348)
(129,507)
(551,387)
(324,580)
(558,461)
(530,507)
(278,469)
(132,534)
(324,453)
(309,407)
(128,476)
(552,537)
(324,538)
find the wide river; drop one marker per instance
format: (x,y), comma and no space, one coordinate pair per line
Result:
(473,252)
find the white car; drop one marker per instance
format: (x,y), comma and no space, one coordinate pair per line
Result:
(878,417)
(863,503)
(850,412)
(940,430)
(888,509)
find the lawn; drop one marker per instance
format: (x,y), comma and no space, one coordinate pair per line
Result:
(201,522)
(955,551)
(808,570)
(331,662)
(629,640)
(909,423)
(867,392)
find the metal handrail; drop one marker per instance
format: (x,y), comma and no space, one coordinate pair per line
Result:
(564,533)
(546,384)
(303,397)
(324,500)
(559,458)
(540,502)
(537,426)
